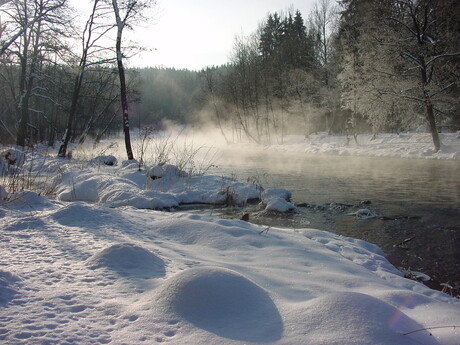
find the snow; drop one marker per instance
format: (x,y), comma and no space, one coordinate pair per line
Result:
(221,301)
(3,192)
(127,186)
(402,145)
(104,159)
(82,273)
(276,200)
(106,262)
(126,258)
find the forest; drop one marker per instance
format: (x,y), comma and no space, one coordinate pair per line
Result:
(348,67)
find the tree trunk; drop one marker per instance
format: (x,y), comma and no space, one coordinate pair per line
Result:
(21,113)
(124,103)
(73,109)
(121,74)
(78,83)
(432,122)
(26,83)
(429,107)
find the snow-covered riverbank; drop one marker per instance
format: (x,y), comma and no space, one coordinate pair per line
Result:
(403,145)
(94,267)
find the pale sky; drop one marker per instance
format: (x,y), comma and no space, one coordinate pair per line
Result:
(197,33)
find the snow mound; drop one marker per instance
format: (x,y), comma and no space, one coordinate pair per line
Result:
(123,194)
(223,302)
(81,214)
(165,189)
(46,165)
(111,190)
(128,259)
(335,318)
(8,281)
(82,186)
(28,200)
(225,235)
(166,170)
(104,160)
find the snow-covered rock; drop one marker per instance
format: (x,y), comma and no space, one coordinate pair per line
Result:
(278,205)
(276,200)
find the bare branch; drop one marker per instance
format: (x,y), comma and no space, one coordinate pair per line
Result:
(403,96)
(441,56)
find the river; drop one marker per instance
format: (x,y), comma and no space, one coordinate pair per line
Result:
(416,202)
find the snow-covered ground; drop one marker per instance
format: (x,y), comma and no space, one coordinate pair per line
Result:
(99,265)
(403,145)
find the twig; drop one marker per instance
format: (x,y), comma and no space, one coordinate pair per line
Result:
(403,244)
(429,328)
(264,230)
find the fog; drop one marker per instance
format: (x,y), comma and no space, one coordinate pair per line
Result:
(311,177)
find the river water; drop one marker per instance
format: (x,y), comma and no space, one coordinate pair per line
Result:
(416,202)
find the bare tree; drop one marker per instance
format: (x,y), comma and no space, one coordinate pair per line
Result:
(36,29)
(427,48)
(323,21)
(92,33)
(4,45)
(127,13)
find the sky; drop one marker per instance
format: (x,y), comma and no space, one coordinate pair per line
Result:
(193,34)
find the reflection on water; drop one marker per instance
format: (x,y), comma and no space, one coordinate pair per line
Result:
(425,193)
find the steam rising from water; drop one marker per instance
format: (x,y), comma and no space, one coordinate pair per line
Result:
(311,178)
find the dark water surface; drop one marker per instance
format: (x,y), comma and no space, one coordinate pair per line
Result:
(413,199)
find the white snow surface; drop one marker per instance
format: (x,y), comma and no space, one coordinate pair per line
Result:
(402,145)
(81,273)
(102,264)
(276,200)
(127,186)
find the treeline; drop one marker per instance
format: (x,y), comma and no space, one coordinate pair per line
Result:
(349,66)
(352,66)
